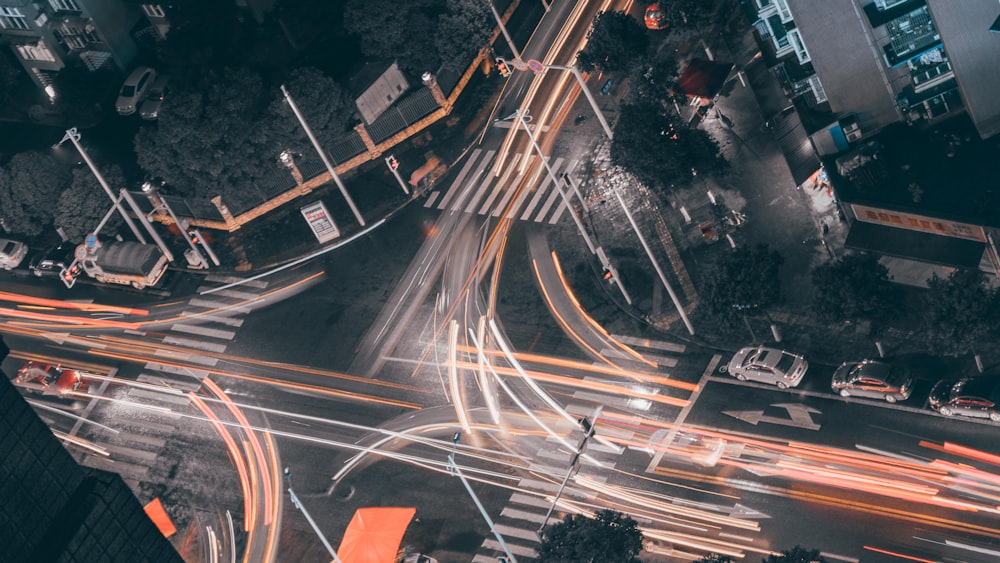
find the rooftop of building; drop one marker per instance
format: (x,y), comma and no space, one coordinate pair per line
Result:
(942,171)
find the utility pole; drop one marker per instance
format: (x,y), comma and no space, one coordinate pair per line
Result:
(298,504)
(73,136)
(589,95)
(588,431)
(322,155)
(458,473)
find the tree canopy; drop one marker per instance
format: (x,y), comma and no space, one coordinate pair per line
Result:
(854,287)
(420,34)
(29,184)
(608,537)
(658,148)
(797,554)
(958,312)
(743,281)
(84,203)
(615,41)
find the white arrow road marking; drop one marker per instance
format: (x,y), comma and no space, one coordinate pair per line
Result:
(799,416)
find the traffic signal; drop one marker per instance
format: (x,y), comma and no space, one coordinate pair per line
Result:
(503,67)
(392,162)
(193,235)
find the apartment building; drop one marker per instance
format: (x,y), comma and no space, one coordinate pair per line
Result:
(900,101)
(869,63)
(48,35)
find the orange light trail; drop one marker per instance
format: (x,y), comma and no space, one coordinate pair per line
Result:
(900,555)
(59,304)
(234,453)
(254,442)
(573,382)
(264,380)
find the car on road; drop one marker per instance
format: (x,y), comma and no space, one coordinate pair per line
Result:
(50,379)
(655,17)
(134,89)
(150,107)
(53,261)
(975,397)
(874,379)
(11,253)
(767,365)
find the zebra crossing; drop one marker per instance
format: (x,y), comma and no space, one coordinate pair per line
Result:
(525,191)
(524,512)
(130,440)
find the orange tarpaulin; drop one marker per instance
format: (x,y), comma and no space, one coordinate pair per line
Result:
(374,534)
(159,517)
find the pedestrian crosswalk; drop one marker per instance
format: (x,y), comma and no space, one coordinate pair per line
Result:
(131,441)
(524,191)
(525,511)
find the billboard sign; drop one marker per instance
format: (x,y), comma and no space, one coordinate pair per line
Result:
(320,222)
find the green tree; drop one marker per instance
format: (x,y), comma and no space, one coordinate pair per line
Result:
(328,109)
(393,30)
(852,288)
(958,312)
(688,14)
(615,41)
(29,184)
(797,554)
(83,204)
(609,537)
(743,282)
(463,31)
(658,148)
(656,83)
(214,140)
(714,558)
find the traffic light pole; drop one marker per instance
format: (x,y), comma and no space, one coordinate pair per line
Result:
(589,431)
(489,521)
(393,165)
(589,95)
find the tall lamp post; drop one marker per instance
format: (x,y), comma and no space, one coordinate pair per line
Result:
(588,431)
(73,136)
(322,155)
(458,472)
(298,504)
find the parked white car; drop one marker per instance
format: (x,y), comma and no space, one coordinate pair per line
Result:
(767,365)
(11,253)
(134,89)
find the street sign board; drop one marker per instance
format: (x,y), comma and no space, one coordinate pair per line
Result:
(91,241)
(536,66)
(320,221)
(518,64)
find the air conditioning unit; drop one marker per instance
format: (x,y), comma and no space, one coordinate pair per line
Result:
(851,129)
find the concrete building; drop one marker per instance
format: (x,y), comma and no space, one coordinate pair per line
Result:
(52,509)
(46,36)
(899,99)
(868,63)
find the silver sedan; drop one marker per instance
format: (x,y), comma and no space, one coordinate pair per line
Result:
(767,365)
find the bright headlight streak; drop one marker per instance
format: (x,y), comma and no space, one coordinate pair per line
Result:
(562,322)
(484,382)
(524,408)
(456,391)
(38,405)
(77,441)
(580,310)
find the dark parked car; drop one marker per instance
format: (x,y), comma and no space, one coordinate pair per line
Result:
(53,261)
(976,397)
(874,379)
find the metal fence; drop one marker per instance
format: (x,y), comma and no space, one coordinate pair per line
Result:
(402,114)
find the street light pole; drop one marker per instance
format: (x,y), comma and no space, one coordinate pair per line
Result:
(503,29)
(322,155)
(552,176)
(298,504)
(73,136)
(458,473)
(589,431)
(589,95)
(656,265)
